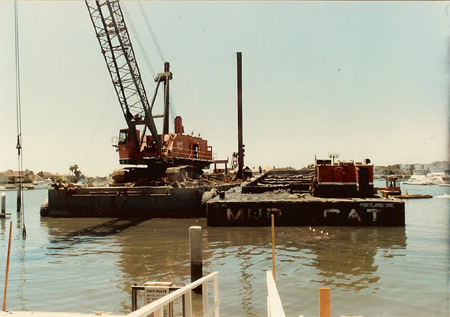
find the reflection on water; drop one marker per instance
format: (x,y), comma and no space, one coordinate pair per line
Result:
(349,263)
(366,268)
(341,258)
(157,250)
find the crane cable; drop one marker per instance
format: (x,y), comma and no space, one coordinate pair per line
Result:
(158,48)
(139,41)
(149,27)
(19,116)
(96,129)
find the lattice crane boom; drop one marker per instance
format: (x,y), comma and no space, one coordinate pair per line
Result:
(112,34)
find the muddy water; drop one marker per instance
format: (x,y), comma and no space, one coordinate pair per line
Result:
(85,265)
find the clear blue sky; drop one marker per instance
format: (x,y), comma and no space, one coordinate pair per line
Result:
(366,80)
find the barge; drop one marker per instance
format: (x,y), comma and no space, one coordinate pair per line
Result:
(236,209)
(340,194)
(130,202)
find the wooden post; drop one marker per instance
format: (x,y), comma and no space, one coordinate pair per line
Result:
(272,216)
(7,267)
(324,302)
(195,242)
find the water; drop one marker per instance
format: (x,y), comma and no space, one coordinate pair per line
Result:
(84,265)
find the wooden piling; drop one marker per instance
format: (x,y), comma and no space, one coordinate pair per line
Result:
(195,244)
(324,302)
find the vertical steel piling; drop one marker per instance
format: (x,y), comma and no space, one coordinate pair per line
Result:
(3,212)
(240,174)
(166,99)
(272,217)
(19,197)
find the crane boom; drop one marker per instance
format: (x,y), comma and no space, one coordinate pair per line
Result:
(112,34)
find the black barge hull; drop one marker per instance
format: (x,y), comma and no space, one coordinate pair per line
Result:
(306,212)
(126,202)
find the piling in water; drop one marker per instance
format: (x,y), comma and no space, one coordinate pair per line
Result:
(240,174)
(324,302)
(195,242)
(7,267)
(3,212)
(19,197)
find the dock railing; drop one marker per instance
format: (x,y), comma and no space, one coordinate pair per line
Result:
(274,307)
(185,293)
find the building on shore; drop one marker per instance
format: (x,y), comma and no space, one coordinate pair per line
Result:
(15,177)
(27,176)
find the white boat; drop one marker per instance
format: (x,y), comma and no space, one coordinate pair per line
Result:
(81,183)
(417,180)
(445,181)
(43,184)
(8,187)
(436,178)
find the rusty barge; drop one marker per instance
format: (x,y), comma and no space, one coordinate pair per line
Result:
(332,194)
(336,194)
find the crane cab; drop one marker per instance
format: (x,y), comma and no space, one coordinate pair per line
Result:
(126,147)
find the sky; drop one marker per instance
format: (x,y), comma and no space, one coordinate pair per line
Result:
(362,79)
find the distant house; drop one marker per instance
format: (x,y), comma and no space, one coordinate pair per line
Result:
(14,177)
(54,177)
(423,167)
(440,166)
(377,170)
(63,177)
(44,175)
(4,178)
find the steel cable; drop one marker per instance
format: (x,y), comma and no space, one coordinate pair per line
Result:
(19,116)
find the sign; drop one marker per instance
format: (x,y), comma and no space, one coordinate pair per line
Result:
(156,290)
(376,205)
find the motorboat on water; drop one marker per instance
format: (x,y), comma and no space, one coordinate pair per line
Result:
(436,178)
(445,181)
(8,187)
(433,178)
(42,184)
(392,187)
(417,180)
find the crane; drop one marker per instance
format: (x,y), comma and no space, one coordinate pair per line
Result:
(157,151)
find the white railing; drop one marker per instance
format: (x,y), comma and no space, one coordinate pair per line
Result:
(157,306)
(274,307)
